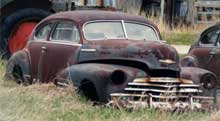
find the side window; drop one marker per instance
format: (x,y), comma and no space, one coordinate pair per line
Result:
(43,32)
(211,36)
(65,31)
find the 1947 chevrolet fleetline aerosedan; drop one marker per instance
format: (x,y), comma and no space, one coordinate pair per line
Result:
(106,55)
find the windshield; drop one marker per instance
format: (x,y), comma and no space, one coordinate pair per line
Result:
(119,30)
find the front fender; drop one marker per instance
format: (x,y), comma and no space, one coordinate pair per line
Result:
(100,76)
(199,76)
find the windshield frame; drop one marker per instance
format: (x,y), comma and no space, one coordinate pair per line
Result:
(123,27)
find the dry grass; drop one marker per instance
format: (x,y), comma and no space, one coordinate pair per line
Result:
(180,34)
(46,102)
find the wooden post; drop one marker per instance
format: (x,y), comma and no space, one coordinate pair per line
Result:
(169,12)
(150,101)
(191,102)
(190,13)
(162,6)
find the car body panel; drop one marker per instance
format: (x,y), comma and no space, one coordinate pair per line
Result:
(147,52)
(205,55)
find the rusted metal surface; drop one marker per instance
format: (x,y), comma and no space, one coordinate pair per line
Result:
(106,67)
(169,96)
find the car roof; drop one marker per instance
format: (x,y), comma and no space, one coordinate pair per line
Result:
(83,16)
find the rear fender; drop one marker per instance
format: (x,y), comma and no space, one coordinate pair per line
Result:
(20,59)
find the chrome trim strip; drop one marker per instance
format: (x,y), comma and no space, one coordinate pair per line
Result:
(56,42)
(124,29)
(88,50)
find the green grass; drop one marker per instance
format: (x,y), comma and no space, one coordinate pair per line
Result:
(182,56)
(177,38)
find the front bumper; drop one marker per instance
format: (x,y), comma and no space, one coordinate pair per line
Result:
(163,93)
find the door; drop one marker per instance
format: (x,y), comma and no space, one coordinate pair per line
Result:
(37,50)
(62,48)
(208,50)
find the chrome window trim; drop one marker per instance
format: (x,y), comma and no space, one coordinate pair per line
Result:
(94,21)
(64,41)
(206,31)
(40,27)
(124,29)
(152,27)
(206,45)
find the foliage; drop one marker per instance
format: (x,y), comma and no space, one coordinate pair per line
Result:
(176,38)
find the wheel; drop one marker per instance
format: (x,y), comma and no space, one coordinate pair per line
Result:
(16,28)
(209,83)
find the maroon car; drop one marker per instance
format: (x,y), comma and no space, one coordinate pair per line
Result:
(205,53)
(105,55)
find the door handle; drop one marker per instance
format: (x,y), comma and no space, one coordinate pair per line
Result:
(43,49)
(212,53)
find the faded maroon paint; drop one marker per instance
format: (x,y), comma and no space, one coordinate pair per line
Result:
(204,56)
(58,57)
(140,54)
(201,57)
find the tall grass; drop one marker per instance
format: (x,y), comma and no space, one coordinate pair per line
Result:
(179,34)
(46,102)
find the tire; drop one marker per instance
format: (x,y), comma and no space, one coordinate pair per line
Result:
(209,81)
(209,87)
(9,24)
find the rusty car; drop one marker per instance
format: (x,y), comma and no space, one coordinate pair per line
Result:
(205,53)
(109,57)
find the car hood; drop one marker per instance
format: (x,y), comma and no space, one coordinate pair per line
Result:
(155,54)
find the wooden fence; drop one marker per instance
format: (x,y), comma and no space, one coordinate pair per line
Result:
(206,12)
